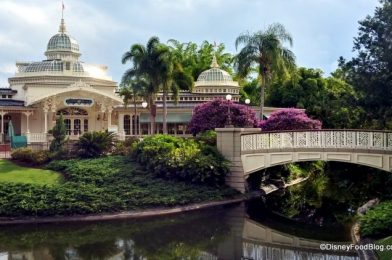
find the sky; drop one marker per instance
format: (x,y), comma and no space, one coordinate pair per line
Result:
(323,30)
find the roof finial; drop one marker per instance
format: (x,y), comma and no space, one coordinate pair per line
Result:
(214,63)
(62,24)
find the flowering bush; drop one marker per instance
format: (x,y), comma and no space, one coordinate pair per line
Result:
(213,114)
(289,119)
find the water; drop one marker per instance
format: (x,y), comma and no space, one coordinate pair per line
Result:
(232,232)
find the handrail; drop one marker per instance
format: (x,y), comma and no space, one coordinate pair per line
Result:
(341,139)
(318,130)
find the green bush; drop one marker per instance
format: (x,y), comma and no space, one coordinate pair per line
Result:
(208,137)
(34,158)
(125,147)
(182,159)
(378,221)
(95,144)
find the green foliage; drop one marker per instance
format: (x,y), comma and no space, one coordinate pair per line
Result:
(59,135)
(377,221)
(182,159)
(369,71)
(95,144)
(28,156)
(386,254)
(125,148)
(107,184)
(331,100)
(208,137)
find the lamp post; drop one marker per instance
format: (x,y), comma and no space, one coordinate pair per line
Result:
(247,101)
(144,105)
(229,124)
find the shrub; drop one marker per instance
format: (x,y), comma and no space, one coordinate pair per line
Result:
(59,136)
(377,221)
(125,147)
(289,119)
(208,137)
(182,159)
(95,144)
(214,114)
(35,158)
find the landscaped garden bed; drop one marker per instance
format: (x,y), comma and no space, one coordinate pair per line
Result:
(102,185)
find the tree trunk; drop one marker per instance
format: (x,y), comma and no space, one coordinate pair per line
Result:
(262,88)
(164,116)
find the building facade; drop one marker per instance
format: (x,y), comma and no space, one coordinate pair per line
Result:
(86,97)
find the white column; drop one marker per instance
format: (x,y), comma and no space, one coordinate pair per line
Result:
(121,124)
(46,121)
(109,117)
(27,114)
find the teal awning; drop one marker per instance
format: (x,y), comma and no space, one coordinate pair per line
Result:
(171,118)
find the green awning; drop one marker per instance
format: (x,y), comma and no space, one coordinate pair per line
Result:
(171,118)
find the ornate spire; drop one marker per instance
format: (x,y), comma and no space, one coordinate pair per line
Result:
(62,28)
(214,63)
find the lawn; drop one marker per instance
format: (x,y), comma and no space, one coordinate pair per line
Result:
(10,172)
(385,255)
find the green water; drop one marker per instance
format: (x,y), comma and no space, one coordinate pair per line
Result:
(232,232)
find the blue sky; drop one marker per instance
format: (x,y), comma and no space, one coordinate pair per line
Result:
(322,30)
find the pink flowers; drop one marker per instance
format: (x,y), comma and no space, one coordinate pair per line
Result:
(289,119)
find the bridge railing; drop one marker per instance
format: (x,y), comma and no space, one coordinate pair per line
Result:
(344,139)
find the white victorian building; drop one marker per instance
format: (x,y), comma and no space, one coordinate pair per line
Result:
(86,97)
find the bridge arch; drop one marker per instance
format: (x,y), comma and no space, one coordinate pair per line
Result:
(251,150)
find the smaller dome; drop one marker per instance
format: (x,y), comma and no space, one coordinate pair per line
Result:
(52,66)
(214,74)
(63,42)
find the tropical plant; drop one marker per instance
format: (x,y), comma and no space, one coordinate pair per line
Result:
(174,78)
(147,63)
(95,144)
(215,114)
(289,119)
(265,50)
(59,136)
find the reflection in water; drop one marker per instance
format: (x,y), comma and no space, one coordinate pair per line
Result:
(219,233)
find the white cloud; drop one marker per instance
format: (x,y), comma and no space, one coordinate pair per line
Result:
(8,68)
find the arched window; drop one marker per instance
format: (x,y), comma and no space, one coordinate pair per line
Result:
(72,111)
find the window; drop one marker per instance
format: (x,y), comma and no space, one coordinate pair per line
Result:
(68,65)
(127,124)
(77,127)
(3,96)
(67,123)
(85,123)
(224,90)
(9,96)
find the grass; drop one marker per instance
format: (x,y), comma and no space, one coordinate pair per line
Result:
(386,254)
(10,172)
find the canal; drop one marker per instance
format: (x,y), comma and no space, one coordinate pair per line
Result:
(244,231)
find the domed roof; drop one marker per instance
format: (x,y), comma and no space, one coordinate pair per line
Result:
(62,41)
(52,66)
(214,74)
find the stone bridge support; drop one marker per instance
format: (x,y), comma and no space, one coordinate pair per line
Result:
(229,145)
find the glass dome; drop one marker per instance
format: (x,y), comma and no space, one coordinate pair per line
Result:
(51,65)
(215,74)
(63,42)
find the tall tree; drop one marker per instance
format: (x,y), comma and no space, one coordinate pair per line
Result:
(174,78)
(265,50)
(147,62)
(370,71)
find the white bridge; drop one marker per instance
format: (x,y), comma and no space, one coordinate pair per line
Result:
(251,150)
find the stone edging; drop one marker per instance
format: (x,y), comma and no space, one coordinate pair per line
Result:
(121,215)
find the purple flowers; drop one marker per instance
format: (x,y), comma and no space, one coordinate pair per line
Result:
(289,119)
(214,114)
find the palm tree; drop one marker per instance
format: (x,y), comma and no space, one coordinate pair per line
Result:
(265,50)
(147,64)
(174,78)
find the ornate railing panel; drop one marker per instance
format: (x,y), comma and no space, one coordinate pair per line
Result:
(372,140)
(36,137)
